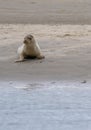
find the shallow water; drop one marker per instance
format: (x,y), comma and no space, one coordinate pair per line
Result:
(45,106)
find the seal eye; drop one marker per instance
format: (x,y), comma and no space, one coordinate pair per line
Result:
(29,38)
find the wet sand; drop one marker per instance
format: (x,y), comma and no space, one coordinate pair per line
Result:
(45,12)
(66,47)
(67,52)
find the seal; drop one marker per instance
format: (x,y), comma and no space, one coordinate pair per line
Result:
(29,49)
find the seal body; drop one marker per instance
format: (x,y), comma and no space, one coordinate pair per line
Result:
(30,49)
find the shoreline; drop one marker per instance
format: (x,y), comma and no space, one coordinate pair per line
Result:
(41,85)
(53,93)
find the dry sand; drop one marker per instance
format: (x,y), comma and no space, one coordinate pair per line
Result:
(67,49)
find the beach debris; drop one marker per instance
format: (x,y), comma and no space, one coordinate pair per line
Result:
(84,81)
(66,35)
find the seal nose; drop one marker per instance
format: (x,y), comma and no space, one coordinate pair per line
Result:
(24,41)
(30,38)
